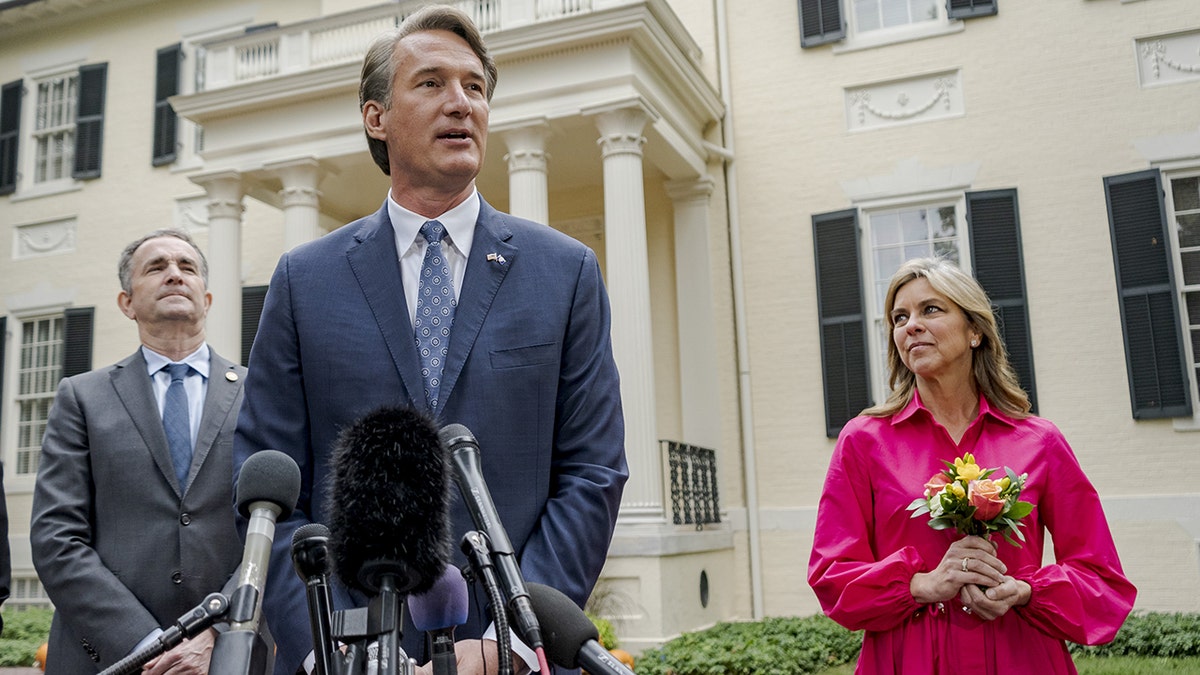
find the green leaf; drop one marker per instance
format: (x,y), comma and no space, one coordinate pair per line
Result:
(941,523)
(1019,510)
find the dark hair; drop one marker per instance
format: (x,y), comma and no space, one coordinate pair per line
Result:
(379,64)
(125,265)
(989,362)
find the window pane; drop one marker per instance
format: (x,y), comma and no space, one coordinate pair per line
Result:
(916,227)
(866,15)
(924,10)
(885,228)
(1185,192)
(948,227)
(1189,230)
(1191,267)
(37,378)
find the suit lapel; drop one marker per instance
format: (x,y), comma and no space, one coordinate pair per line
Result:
(376,266)
(491,258)
(133,387)
(218,402)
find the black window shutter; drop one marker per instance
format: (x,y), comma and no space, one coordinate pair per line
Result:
(10,134)
(166,84)
(821,22)
(1154,349)
(844,359)
(252,305)
(969,9)
(77,340)
(89,121)
(995,230)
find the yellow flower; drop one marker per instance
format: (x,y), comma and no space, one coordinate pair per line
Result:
(957,489)
(1004,483)
(966,468)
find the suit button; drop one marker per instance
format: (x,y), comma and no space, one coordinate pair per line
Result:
(177,577)
(186,519)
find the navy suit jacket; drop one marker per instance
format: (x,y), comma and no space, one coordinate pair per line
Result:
(529,371)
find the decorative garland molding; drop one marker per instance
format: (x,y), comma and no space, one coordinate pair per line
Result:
(42,239)
(909,100)
(1168,59)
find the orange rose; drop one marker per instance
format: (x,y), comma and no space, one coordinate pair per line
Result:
(984,495)
(936,484)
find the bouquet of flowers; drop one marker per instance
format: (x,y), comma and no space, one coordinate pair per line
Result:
(963,497)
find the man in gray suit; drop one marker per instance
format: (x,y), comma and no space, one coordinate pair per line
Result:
(133,523)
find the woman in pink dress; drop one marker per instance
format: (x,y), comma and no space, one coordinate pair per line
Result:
(933,602)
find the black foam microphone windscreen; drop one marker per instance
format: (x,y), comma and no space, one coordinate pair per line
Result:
(571,639)
(389,514)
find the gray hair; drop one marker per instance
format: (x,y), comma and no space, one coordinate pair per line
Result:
(125,266)
(379,66)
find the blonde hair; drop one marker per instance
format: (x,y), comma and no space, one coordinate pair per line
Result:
(993,374)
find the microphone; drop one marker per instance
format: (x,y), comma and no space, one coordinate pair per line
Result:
(464,453)
(436,612)
(572,640)
(267,489)
(389,519)
(313,563)
(187,626)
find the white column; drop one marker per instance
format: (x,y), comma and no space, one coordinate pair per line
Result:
(224,262)
(527,158)
(301,200)
(628,280)
(698,385)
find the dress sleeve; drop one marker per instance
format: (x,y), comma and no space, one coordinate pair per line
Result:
(856,588)
(1084,596)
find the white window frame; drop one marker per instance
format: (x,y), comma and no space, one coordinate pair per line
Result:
(28,187)
(14,418)
(857,39)
(1192,423)
(877,333)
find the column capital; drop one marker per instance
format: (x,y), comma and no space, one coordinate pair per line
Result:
(225,191)
(621,128)
(690,189)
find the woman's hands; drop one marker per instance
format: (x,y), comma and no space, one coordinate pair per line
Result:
(971,563)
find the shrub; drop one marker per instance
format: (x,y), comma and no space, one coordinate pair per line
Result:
(608,635)
(24,632)
(774,646)
(1151,634)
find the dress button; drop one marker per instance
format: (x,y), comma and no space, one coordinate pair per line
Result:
(177,577)
(186,519)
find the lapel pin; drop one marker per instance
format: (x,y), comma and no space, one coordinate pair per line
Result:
(496,258)
(231,376)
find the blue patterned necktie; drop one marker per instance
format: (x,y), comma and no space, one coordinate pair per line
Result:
(177,422)
(435,311)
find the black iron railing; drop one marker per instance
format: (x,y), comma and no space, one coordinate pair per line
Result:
(693,474)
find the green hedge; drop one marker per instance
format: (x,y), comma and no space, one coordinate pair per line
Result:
(776,646)
(1151,634)
(800,646)
(24,632)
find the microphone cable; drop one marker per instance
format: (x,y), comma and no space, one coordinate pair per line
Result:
(475,546)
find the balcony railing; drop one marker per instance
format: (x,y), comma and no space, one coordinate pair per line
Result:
(693,474)
(339,39)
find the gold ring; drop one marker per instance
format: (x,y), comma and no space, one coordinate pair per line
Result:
(964,565)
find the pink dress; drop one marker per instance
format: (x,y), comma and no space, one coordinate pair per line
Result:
(866,549)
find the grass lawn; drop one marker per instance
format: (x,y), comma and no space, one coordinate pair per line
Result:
(1116,665)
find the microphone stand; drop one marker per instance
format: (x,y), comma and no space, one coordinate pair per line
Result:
(373,633)
(475,545)
(199,618)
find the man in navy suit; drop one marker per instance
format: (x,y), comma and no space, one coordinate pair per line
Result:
(529,366)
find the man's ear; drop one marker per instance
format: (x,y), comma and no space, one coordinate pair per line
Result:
(125,304)
(373,114)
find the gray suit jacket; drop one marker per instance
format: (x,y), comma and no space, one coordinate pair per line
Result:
(120,549)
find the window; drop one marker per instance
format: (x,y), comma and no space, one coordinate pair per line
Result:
(27,592)
(165,120)
(37,379)
(897,235)
(65,132)
(825,21)
(51,347)
(54,128)
(1185,205)
(1151,260)
(980,231)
